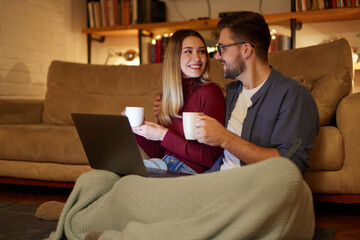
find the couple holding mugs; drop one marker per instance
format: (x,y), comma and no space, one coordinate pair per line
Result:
(267,113)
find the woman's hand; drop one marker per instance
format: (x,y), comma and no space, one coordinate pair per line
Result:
(151,131)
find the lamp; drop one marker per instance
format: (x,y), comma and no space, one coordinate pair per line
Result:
(129,55)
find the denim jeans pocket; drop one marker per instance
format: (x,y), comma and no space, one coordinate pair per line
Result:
(176,165)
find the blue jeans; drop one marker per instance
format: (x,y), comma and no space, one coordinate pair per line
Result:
(176,165)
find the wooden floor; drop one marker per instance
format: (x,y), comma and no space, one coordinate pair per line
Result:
(345,218)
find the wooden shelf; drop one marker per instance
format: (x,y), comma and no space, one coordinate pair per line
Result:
(161,27)
(326,15)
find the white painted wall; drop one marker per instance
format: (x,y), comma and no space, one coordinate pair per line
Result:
(32,34)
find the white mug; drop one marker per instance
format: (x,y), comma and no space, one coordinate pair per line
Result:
(135,115)
(189,124)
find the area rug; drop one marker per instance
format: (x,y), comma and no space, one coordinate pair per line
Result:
(324,234)
(18,222)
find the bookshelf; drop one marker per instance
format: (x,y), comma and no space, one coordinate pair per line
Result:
(313,16)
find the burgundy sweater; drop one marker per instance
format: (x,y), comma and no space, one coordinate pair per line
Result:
(207,98)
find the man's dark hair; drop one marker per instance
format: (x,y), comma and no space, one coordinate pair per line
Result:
(249,27)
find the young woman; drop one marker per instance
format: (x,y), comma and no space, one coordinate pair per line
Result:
(185,88)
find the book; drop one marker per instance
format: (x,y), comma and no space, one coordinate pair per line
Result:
(134,12)
(111,13)
(105,12)
(97,14)
(328,3)
(334,4)
(90,7)
(151,11)
(117,14)
(158,51)
(152,52)
(125,12)
(141,11)
(303,5)
(164,42)
(315,5)
(157,11)
(145,45)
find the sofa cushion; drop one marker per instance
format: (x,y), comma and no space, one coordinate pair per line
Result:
(75,87)
(328,92)
(41,143)
(328,152)
(21,111)
(308,84)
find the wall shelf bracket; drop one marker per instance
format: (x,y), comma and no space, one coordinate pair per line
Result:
(90,39)
(298,25)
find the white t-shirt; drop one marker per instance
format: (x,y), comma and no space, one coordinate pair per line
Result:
(235,124)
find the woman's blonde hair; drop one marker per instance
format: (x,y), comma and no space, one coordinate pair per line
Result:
(172,90)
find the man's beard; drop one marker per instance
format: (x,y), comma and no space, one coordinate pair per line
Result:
(234,69)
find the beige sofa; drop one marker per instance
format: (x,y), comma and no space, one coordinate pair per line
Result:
(38,141)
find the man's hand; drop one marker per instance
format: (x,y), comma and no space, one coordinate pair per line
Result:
(157,105)
(151,131)
(210,131)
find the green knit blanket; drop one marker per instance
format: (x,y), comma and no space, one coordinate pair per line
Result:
(267,200)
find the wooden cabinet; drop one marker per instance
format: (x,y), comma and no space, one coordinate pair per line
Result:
(326,15)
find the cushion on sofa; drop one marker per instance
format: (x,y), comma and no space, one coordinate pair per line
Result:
(308,84)
(20,111)
(328,92)
(41,143)
(75,87)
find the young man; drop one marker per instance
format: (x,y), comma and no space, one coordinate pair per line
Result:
(267,112)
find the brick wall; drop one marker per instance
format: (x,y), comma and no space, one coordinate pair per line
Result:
(32,34)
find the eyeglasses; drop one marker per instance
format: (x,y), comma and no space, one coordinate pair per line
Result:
(221,48)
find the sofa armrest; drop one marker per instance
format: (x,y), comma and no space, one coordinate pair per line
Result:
(17,111)
(347,119)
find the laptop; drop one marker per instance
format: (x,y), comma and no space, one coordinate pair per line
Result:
(110,144)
